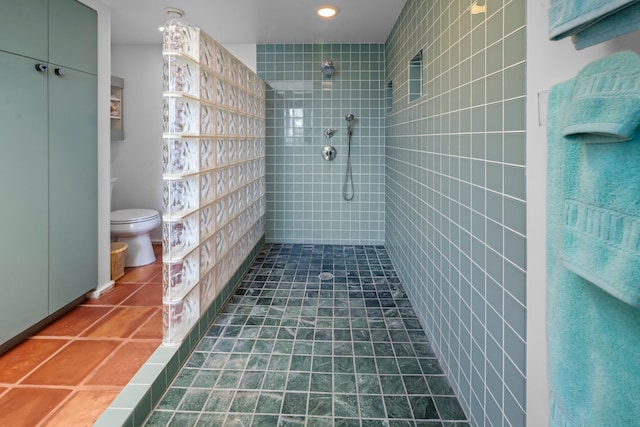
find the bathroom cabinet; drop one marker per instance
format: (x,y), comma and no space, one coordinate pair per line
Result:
(117,129)
(48,165)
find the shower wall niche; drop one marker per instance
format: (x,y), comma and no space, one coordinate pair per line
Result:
(213,173)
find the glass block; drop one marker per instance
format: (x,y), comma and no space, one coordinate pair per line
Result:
(233,124)
(222,243)
(221,212)
(221,93)
(207,85)
(233,179)
(207,254)
(207,188)
(233,70)
(207,50)
(207,154)
(246,150)
(233,97)
(233,151)
(207,119)
(221,122)
(232,234)
(180,196)
(252,101)
(178,37)
(222,272)
(179,236)
(181,115)
(232,205)
(240,200)
(178,277)
(222,152)
(179,156)
(179,317)
(259,148)
(180,74)
(207,221)
(261,167)
(208,290)
(222,60)
(256,190)
(242,248)
(239,171)
(242,125)
(242,222)
(222,179)
(248,195)
(254,212)
(242,100)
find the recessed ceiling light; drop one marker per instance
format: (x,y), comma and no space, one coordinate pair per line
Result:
(327,12)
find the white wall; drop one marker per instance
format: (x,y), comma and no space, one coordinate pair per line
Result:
(137,160)
(548,63)
(104,91)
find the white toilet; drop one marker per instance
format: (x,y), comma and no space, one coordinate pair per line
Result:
(133,227)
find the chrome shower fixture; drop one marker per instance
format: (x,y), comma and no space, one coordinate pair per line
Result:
(328,68)
(349,118)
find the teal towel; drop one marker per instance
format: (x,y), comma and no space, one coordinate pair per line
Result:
(605,106)
(590,22)
(601,232)
(593,338)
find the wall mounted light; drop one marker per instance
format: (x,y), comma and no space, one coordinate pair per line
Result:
(327,12)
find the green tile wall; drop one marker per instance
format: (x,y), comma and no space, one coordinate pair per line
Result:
(455,194)
(304,192)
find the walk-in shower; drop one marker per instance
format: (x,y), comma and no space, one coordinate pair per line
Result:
(347,186)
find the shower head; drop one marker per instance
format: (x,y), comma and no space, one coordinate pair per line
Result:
(349,117)
(327,67)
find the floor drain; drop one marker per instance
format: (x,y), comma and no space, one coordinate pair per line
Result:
(325,276)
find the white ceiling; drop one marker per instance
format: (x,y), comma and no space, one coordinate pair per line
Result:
(258,21)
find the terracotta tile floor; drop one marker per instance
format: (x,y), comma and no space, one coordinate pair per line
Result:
(70,372)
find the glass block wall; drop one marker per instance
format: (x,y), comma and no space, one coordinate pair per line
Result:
(455,194)
(304,192)
(213,173)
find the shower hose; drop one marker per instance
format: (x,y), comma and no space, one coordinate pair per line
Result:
(347,187)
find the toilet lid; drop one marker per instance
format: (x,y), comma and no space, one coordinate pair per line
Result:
(130,216)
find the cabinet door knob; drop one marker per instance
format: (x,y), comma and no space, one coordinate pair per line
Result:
(59,71)
(42,67)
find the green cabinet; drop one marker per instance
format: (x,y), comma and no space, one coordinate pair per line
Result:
(48,165)
(73,187)
(23,27)
(24,267)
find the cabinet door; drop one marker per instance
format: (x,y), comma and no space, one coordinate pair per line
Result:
(73,187)
(23,193)
(73,35)
(23,27)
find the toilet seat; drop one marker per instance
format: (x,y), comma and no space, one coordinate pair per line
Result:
(133,216)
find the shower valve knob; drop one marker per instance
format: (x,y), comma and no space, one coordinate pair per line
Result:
(59,72)
(42,67)
(329,152)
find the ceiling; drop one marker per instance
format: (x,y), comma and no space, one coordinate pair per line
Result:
(258,21)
